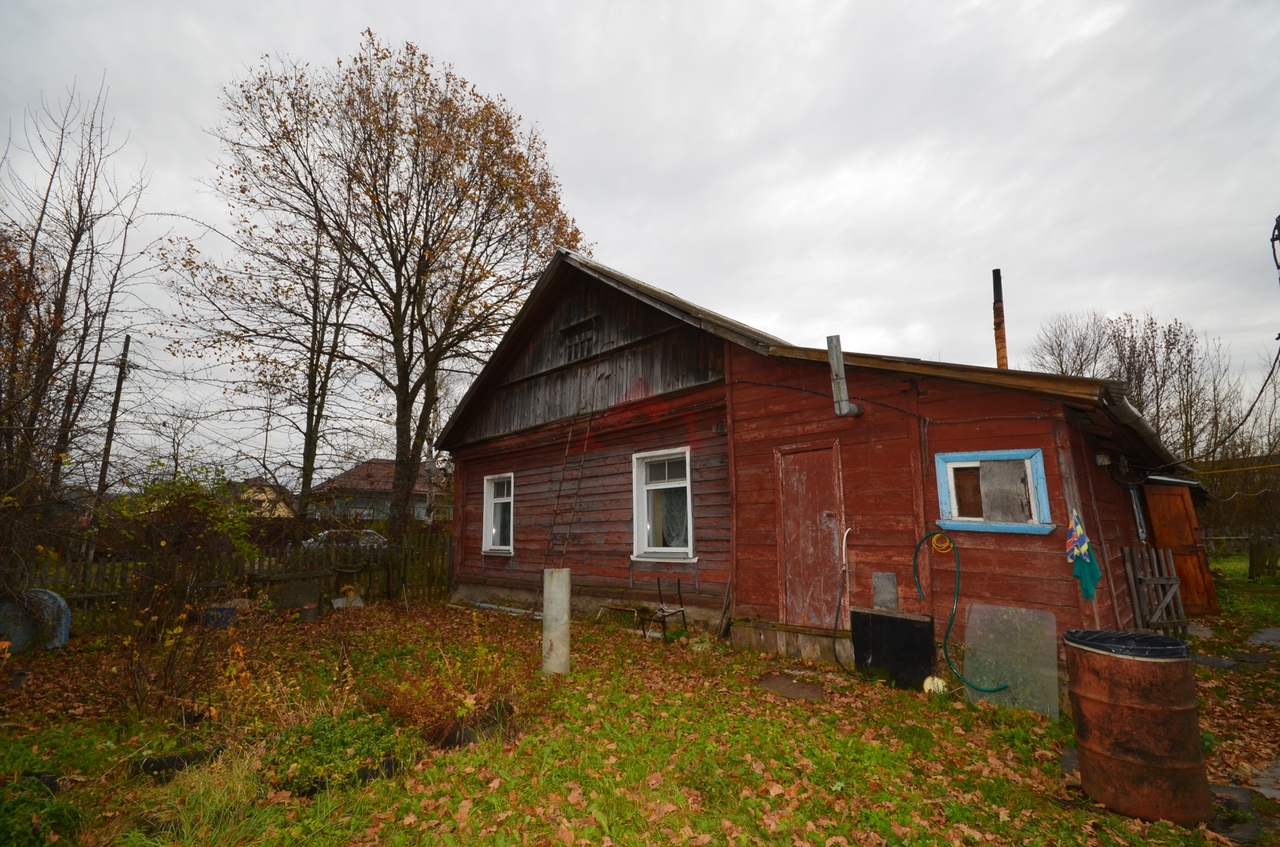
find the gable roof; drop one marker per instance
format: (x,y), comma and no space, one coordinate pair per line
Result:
(1106,396)
(373,476)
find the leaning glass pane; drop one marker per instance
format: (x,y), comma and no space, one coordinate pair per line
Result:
(502,524)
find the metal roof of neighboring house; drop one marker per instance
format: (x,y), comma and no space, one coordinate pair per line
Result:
(373,476)
(1106,396)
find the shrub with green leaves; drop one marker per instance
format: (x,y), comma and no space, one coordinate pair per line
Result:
(30,813)
(332,750)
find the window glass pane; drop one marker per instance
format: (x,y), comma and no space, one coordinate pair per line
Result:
(967,492)
(502,524)
(1006,496)
(501,488)
(656,471)
(675,468)
(668,517)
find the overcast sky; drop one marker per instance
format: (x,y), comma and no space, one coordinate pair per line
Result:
(807,168)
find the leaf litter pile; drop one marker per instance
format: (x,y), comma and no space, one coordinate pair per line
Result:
(433,726)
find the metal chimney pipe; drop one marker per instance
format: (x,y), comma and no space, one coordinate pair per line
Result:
(997,306)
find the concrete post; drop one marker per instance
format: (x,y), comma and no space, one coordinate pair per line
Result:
(555,620)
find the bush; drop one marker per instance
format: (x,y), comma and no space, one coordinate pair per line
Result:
(30,813)
(166,662)
(334,749)
(453,700)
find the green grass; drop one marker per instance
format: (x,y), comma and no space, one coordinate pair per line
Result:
(643,742)
(1247,605)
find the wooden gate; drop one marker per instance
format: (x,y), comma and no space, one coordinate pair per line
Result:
(809,479)
(1175,527)
(1154,584)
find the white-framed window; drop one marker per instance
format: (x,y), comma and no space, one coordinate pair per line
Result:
(499,504)
(993,491)
(663,499)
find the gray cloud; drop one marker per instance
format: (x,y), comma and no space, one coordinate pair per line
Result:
(809,168)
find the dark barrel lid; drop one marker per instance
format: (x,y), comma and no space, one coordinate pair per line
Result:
(1138,645)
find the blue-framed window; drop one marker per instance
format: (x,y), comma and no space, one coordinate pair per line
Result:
(993,491)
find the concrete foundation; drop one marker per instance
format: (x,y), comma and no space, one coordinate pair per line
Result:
(812,645)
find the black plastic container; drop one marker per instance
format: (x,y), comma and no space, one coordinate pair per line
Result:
(895,646)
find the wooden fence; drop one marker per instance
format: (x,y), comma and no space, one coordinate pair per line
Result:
(1264,552)
(1261,543)
(418,569)
(1227,540)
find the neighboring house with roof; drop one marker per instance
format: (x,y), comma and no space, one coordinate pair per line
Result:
(364,493)
(630,435)
(267,499)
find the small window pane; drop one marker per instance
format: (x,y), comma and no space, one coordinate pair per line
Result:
(656,472)
(1006,496)
(501,488)
(675,468)
(968,492)
(669,517)
(502,524)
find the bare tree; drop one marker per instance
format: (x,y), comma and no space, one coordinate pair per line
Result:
(67,232)
(431,201)
(277,311)
(1182,382)
(1073,344)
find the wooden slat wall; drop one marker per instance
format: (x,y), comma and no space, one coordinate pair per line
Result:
(637,352)
(600,546)
(778,404)
(1107,513)
(1007,569)
(890,489)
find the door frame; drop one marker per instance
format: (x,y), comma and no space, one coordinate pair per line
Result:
(832,444)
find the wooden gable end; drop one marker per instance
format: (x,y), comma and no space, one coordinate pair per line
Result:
(587,348)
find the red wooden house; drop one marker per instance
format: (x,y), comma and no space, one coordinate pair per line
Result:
(630,435)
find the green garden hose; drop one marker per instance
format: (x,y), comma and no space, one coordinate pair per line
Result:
(955,603)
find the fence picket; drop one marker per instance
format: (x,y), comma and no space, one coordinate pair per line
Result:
(418,569)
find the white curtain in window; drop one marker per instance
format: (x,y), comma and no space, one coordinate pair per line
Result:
(675,517)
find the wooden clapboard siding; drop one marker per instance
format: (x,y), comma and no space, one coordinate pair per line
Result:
(1106,509)
(597,494)
(1009,569)
(781,404)
(891,495)
(637,352)
(664,374)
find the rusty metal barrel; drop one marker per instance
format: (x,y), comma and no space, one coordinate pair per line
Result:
(1133,696)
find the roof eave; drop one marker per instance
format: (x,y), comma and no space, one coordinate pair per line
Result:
(1077,389)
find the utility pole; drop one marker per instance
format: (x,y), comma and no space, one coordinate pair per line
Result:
(111,422)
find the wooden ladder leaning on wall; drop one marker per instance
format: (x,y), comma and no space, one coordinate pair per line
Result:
(1154,590)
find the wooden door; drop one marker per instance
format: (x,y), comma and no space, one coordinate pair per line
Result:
(1175,527)
(811,519)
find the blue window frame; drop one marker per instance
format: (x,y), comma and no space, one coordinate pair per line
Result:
(1016,498)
